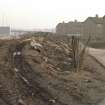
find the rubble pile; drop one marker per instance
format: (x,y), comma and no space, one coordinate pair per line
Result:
(38,71)
(57,54)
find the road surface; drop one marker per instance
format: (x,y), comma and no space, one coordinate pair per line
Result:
(99,55)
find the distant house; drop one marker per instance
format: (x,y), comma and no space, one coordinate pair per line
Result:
(69,28)
(4,30)
(92,26)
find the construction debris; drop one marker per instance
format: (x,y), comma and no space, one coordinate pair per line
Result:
(40,71)
(35,45)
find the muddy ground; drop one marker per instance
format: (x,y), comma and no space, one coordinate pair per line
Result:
(44,75)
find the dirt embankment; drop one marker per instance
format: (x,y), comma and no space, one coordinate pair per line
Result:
(42,75)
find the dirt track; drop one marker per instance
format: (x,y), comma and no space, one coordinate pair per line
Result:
(99,55)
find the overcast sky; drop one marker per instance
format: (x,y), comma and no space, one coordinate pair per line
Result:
(47,13)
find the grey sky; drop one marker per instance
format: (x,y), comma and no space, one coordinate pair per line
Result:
(47,13)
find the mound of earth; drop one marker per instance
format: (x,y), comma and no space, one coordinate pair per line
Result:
(40,73)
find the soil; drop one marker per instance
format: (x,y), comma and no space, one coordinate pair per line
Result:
(44,75)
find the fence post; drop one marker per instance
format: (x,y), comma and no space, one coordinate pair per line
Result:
(75,53)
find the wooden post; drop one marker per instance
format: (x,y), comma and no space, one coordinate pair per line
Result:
(75,52)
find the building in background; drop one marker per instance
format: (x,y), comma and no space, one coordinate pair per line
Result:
(4,30)
(92,26)
(70,28)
